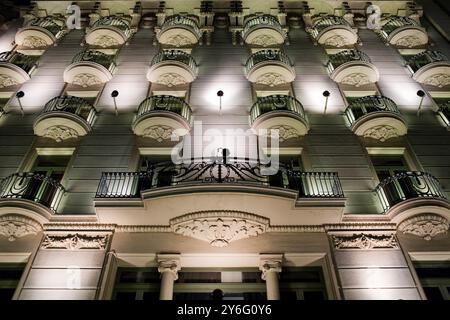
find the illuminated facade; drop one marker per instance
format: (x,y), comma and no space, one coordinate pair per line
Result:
(352,108)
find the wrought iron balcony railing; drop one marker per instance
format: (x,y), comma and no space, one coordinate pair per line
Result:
(176,55)
(276,103)
(345,56)
(95,56)
(395,22)
(117,22)
(231,171)
(72,105)
(321,23)
(265,56)
(49,24)
(34,187)
(420,60)
(266,21)
(26,63)
(364,106)
(444,112)
(165,103)
(408,185)
(183,22)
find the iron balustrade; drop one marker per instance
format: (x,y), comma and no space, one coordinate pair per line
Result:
(264,56)
(395,22)
(420,60)
(262,21)
(345,56)
(364,106)
(165,103)
(408,185)
(33,186)
(26,63)
(117,22)
(276,103)
(181,21)
(72,105)
(218,171)
(49,24)
(444,113)
(98,57)
(176,55)
(321,23)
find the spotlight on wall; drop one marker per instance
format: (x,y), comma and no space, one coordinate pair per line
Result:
(421,95)
(20,95)
(220,95)
(114,95)
(326,94)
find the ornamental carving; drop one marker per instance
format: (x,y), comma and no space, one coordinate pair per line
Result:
(171,79)
(356,79)
(438,80)
(271,79)
(158,132)
(365,241)
(285,132)
(264,40)
(409,41)
(105,41)
(14,226)
(60,133)
(75,241)
(381,133)
(220,228)
(336,41)
(7,81)
(34,42)
(425,226)
(179,40)
(86,80)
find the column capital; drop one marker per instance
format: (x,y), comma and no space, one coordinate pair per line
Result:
(270,263)
(169,263)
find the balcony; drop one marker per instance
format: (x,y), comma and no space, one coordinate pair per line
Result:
(282,113)
(160,117)
(40,33)
(407,186)
(263,31)
(65,117)
(332,32)
(403,32)
(90,68)
(444,113)
(179,31)
(33,187)
(233,172)
(269,67)
(375,117)
(430,68)
(172,68)
(352,67)
(108,32)
(15,68)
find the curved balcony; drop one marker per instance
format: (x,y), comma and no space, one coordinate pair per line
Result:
(332,31)
(216,173)
(179,31)
(263,31)
(375,117)
(269,67)
(279,112)
(444,113)
(430,68)
(15,68)
(352,67)
(108,32)
(33,187)
(172,68)
(40,33)
(408,185)
(65,117)
(90,68)
(160,117)
(403,32)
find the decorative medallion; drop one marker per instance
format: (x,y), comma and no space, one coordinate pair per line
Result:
(356,79)
(158,132)
(34,42)
(271,79)
(60,133)
(264,40)
(438,80)
(364,241)
(179,40)
(336,41)
(105,41)
(425,226)
(86,80)
(381,133)
(171,79)
(7,81)
(75,241)
(409,41)
(15,226)
(285,132)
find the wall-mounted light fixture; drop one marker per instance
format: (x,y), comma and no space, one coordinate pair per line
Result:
(114,95)
(220,95)
(420,94)
(326,94)
(20,95)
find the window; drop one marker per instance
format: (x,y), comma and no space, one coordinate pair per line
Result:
(9,279)
(435,279)
(286,161)
(388,165)
(51,166)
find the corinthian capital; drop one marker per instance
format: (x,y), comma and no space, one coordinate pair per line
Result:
(270,263)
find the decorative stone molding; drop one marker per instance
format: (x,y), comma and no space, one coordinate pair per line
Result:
(365,241)
(14,226)
(179,40)
(105,41)
(86,80)
(285,132)
(76,226)
(270,263)
(382,133)
(158,132)
(169,263)
(336,41)
(171,79)
(7,81)
(219,228)
(409,41)
(60,133)
(356,79)
(34,42)
(438,80)
(425,226)
(75,241)
(271,79)
(264,40)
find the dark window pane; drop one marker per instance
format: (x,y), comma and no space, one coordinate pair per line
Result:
(288,295)
(192,296)
(199,277)
(313,295)
(10,274)
(153,296)
(139,277)
(433,293)
(254,296)
(295,275)
(251,277)
(433,272)
(6,294)
(126,296)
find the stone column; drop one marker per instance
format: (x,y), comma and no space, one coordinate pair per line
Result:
(270,265)
(168,266)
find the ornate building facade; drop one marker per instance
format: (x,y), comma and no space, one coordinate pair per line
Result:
(138,141)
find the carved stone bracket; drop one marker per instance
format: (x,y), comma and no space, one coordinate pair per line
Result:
(14,226)
(365,241)
(425,226)
(75,241)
